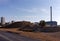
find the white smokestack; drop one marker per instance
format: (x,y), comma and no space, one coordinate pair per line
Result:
(50,13)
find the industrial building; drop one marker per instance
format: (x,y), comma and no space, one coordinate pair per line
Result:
(2,20)
(51,23)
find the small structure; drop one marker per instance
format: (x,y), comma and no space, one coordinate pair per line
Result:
(51,23)
(2,20)
(36,23)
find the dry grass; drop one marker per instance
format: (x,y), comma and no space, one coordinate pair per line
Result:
(34,35)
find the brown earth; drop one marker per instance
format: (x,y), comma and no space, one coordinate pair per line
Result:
(36,35)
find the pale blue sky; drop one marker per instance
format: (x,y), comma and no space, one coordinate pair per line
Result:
(29,10)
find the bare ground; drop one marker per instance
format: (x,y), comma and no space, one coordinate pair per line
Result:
(36,35)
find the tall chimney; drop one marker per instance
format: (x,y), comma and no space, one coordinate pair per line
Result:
(50,13)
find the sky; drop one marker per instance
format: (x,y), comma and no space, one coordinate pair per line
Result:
(29,10)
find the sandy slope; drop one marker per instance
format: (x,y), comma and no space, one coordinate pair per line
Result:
(37,35)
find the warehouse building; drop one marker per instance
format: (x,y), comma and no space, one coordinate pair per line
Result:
(51,23)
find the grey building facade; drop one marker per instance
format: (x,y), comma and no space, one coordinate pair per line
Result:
(51,23)
(2,20)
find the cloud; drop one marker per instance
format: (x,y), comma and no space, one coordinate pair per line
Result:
(45,10)
(34,10)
